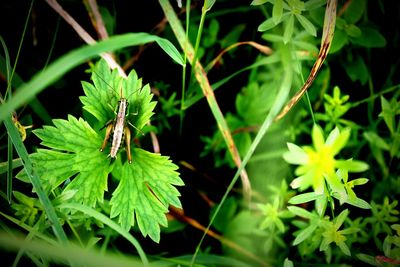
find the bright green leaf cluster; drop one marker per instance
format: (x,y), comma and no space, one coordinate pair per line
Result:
(318,165)
(286,12)
(321,232)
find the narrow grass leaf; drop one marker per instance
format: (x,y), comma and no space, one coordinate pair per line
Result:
(72,59)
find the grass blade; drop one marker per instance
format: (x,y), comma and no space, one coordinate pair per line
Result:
(62,65)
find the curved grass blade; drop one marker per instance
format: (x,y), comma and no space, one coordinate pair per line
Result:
(69,253)
(65,63)
(47,205)
(107,221)
(327,36)
(207,90)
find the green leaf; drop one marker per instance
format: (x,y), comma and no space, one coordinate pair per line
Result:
(352,166)
(254,101)
(301,212)
(258,2)
(354,11)
(51,177)
(78,149)
(353,31)
(208,4)
(108,88)
(369,38)
(357,70)
(368,259)
(307,25)
(277,11)
(340,39)
(375,140)
(388,114)
(313,4)
(304,234)
(145,191)
(289,27)
(226,214)
(303,198)
(358,202)
(266,25)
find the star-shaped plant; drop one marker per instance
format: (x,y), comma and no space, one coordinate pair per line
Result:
(144,189)
(318,164)
(332,234)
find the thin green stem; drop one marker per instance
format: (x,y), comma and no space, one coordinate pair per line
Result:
(199,33)
(21,41)
(183,92)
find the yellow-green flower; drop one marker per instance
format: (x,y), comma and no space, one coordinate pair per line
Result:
(318,163)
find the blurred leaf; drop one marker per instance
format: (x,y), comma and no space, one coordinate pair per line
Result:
(225,215)
(301,212)
(374,139)
(289,27)
(340,39)
(368,259)
(233,36)
(369,38)
(211,35)
(303,198)
(313,4)
(254,101)
(208,4)
(353,31)
(388,114)
(355,10)
(357,70)
(307,25)
(277,11)
(304,234)
(266,25)
(258,2)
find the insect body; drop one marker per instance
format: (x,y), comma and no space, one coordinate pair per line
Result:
(120,129)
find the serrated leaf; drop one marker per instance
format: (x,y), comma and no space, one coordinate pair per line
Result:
(82,144)
(102,99)
(145,191)
(51,177)
(146,188)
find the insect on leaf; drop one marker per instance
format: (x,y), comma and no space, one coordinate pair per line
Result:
(144,189)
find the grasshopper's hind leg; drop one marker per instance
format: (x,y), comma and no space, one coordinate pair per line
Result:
(109,128)
(127,133)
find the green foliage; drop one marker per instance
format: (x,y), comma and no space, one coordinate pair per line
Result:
(336,211)
(145,187)
(286,12)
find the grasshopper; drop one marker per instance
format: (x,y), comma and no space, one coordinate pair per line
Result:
(119,128)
